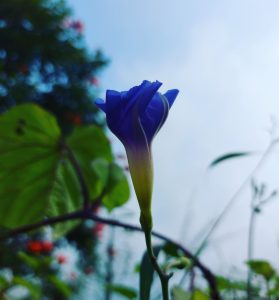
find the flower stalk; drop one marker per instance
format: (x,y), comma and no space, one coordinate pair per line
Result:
(164,277)
(135,117)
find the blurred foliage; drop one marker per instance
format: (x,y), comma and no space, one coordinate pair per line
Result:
(43,59)
(39,180)
(48,82)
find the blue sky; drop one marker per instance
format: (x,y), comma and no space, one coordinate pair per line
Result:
(223,56)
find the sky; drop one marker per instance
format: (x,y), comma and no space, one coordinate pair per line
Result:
(223,56)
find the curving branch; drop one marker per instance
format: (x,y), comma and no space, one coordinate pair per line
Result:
(208,275)
(88,215)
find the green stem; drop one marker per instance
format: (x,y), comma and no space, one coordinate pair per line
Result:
(250,252)
(164,278)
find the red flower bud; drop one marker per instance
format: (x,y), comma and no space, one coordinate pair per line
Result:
(47,246)
(98,229)
(94,81)
(77,120)
(35,247)
(78,26)
(61,259)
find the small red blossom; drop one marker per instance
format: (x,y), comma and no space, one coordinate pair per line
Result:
(98,229)
(94,81)
(73,118)
(78,26)
(47,246)
(35,247)
(77,120)
(61,259)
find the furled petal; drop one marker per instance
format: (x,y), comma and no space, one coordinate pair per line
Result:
(141,97)
(171,95)
(113,101)
(114,106)
(125,122)
(101,104)
(154,116)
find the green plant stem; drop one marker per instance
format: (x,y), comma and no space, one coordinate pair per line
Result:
(164,278)
(250,252)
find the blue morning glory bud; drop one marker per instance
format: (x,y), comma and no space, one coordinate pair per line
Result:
(135,117)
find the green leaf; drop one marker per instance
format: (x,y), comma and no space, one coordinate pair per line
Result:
(4,282)
(262,268)
(275,290)
(33,288)
(88,144)
(117,190)
(227,156)
(29,260)
(122,290)
(179,294)
(137,268)
(103,177)
(29,156)
(65,197)
(171,250)
(60,285)
(35,262)
(146,274)
(101,168)
(229,284)
(180,263)
(199,295)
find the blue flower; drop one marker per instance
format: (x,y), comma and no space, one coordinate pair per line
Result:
(135,117)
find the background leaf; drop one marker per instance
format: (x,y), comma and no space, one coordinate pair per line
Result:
(126,292)
(65,197)
(262,267)
(117,190)
(225,284)
(146,274)
(33,288)
(180,294)
(88,144)
(29,157)
(103,177)
(227,156)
